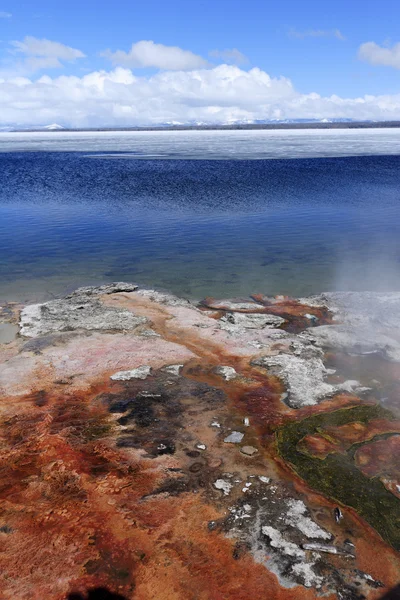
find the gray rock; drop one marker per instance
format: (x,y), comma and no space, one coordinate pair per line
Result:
(165,298)
(248,450)
(234,438)
(234,322)
(80,311)
(149,333)
(37,345)
(109,288)
(327,549)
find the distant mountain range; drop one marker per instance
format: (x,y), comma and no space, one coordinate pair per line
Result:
(333,123)
(52,127)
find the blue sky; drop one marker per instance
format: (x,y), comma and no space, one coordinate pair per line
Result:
(313,43)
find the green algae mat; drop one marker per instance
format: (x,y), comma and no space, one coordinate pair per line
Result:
(337,477)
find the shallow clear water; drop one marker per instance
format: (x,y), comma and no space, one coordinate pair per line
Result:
(200,225)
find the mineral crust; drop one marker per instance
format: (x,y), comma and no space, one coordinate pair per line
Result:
(160,449)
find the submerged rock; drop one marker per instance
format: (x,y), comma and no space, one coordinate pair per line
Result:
(8,332)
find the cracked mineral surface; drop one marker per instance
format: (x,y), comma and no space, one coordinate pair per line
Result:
(238,449)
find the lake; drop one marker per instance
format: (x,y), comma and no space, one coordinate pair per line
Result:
(217,213)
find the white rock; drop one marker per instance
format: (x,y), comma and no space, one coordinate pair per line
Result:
(296,518)
(305,571)
(246,487)
(30,320)
(223,485)
(172,369)
(139,373)
(352,385)
(232,304)
(302,372)
(227,373)
(278,541)
(264,479)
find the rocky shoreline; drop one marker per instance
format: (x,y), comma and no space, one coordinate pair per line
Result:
(236,448)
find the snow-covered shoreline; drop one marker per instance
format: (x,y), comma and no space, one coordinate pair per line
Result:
(215,144)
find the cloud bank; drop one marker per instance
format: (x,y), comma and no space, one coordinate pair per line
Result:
(223,94)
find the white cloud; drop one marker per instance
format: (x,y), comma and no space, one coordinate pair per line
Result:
(148,54)
(317,33)
(221,94)
(34,47)
(5,15)
(42,54)
(229,56)
(378,55)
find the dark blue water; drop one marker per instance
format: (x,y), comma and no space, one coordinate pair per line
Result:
(198,227)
